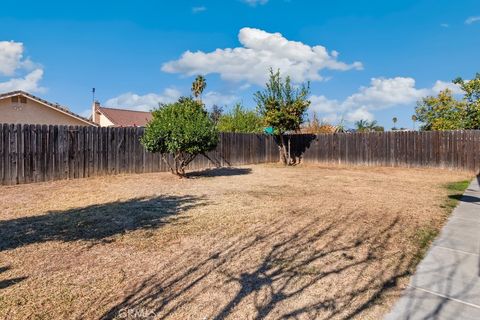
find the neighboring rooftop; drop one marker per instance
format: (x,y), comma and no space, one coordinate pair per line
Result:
(126,118)
(55,106)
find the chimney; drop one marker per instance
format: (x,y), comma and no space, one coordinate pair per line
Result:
(95,112)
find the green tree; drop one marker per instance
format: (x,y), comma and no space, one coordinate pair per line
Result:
(471,98)
(179,132)
(283,108)
(394,120)
(442,112)
(240,119)
(445,112)
(471,88)
(368,126)
(198,86)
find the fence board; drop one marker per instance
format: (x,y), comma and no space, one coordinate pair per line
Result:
(452,149)
(34,153)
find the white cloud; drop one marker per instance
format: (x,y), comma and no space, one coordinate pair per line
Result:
(86,113)
(261,51)
(150,101)
(444,25)
(442,85)
(216,98)
(361,113)
(471,20)
(329,118)
(254,3)
(11,57)
(198,9)
(145,102)
(244,86)
(386,92)
(322,104)
(382,93)
(11,61)
(29,83)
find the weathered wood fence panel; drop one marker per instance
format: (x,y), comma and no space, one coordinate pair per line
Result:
(35,153)
(441,149)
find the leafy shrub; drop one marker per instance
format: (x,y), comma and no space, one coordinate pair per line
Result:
(179,132)
(240,120)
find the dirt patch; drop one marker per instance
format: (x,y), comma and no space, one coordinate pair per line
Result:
(307,242)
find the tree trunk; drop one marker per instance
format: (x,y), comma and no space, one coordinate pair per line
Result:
(282,148)
(177,167)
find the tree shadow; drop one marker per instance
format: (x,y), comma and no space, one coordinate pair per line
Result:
(465,198)
(95,222)
(296,270)
(9,282)
(218,172)
(4,269)
(299,143)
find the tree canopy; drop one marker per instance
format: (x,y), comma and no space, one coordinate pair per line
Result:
(198,86)
(368,126)
(283,108)
(282,105)
(240,119)
(179,132)
(445,112)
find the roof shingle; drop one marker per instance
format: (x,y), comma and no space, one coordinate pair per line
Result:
(126,118)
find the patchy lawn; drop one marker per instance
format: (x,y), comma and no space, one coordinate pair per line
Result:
(244,243)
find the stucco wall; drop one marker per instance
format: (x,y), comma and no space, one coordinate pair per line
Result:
(33,112)
(104,122)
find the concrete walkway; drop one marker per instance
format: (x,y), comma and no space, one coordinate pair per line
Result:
(446,284)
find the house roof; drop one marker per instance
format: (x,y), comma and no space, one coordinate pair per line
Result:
(126,118)
(55,106)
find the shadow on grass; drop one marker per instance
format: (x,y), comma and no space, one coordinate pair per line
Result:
(219,172)
(96,222)
(318,271)
(9,282)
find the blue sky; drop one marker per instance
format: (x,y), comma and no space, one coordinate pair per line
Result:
(365,59)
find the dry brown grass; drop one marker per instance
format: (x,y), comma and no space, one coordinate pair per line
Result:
(307,242)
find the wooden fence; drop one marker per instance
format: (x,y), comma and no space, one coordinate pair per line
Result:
(34,153)
(442,149)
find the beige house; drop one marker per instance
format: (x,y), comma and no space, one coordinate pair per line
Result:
(114,117)
(24,108)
